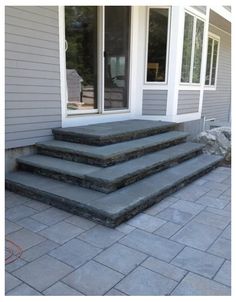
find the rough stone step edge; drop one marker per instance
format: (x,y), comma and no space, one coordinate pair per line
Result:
(109,161)
(107,186)
(101,217)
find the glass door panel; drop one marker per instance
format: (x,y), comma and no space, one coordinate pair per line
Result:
(116,64)
(81,57)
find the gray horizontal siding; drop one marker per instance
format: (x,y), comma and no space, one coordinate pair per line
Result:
(33,102)
(201,9)
(188,101)
(216,103)
(154,102)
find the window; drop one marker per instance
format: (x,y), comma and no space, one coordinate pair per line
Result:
(192,49)
(157,44)
(212,55)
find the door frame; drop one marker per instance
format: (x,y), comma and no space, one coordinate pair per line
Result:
(101,43)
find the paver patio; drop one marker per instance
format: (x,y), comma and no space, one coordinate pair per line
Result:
(180,246)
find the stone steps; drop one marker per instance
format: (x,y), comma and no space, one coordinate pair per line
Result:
(114,208)
(113,132)
(113,153)
(111,178)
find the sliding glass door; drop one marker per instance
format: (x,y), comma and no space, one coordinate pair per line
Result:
(97,51)
(81,57)
(116,64)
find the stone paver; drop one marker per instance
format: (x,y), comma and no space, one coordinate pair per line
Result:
(198,262)
(32,224)
(197,235)
(23,290)
(152,245)
(191,192)
(209,201)
(221,247)
(11,282)
(168,229)
(101,236)
(157,208)
(51,216)
(125,228)
(61,289)
(143,282)
(11,227)
(146,222)
(19,212)
(212,219)
(121,258)
(165,269)
(179,246)
(42,272)
(61,232)
(194,285)
(224,274)
(39,250)
(187,206)
(25,238)
(114,292)
(175,216)
(81,222)
(93,279)
(11,267)
(75,252)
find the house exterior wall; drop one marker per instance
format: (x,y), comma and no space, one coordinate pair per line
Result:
(33,102)
(188,101)
(154,102)
(216,103)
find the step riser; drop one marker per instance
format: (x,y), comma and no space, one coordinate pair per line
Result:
(94,140)
(107,187)
(88,212)
(80,158)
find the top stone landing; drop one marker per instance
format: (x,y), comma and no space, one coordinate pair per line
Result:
(113,132)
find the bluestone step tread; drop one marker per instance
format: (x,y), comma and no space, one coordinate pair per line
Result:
(109,133)
(111,178)
(111,209)
(110,154)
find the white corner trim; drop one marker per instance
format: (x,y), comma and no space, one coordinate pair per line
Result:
(175,58)
(61,21)
(204,60)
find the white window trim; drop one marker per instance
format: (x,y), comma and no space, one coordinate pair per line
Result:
(214,37)
(167,48)
(195,16)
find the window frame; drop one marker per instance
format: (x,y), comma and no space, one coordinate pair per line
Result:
(167,46)
(214,37)
(195,17)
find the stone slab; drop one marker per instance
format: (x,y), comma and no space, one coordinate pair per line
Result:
(198,262)
(43,272)
(224,274)
(143,282)
(153,245)
(165,269)
(25,238)
(61,289)
(110,154)
(197,235)
(121,258)
(75,252)
(195,285)
(61,232)
(93,279)
(107,133)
